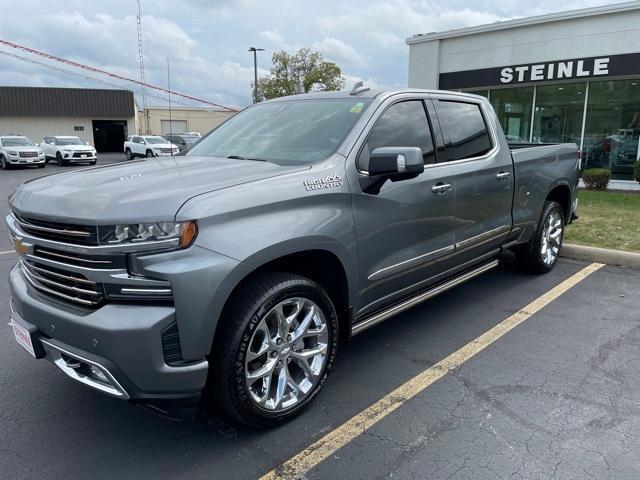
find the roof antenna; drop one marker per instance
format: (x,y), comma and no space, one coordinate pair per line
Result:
(358,87)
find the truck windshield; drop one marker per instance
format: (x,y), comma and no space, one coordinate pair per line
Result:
(16,142)
(287,132)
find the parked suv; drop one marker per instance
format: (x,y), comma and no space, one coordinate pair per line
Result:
(148,146)
(17,150)
(67,149)
(182,140)
(235,268)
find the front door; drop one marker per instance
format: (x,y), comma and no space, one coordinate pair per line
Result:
(404,228)
(483,177)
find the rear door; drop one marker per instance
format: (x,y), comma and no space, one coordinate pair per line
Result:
(404,228)
(483,175)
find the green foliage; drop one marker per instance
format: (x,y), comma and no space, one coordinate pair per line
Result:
(636,171)
(596,178)
(305,68)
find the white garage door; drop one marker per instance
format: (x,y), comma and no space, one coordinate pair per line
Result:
(173,126)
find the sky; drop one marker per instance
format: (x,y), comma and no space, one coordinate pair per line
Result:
(206,41)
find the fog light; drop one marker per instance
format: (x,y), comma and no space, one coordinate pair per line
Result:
(66,155)
(98,374)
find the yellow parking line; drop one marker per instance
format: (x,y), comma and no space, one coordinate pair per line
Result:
(311,456)
(7,252)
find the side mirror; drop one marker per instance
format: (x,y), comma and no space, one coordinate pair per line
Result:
(400,162)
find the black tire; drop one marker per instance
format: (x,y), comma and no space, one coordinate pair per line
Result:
(128,154)
(60,160)
(250,304)
(93,163)
(530,256)
(149,154)
(3,162)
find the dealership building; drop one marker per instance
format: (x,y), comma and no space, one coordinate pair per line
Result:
(563,77)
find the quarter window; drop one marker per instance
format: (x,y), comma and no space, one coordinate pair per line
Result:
(464,129)
(404,124)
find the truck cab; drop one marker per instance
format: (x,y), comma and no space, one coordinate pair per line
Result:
(237,267)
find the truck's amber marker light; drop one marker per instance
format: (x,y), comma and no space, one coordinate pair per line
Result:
(189,232)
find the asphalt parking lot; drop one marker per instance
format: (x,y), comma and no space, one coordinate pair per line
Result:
(558,396)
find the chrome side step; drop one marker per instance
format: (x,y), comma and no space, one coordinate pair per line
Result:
(412,302)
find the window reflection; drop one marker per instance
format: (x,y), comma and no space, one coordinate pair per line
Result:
(558,115)
(613,126)
(464,129)
(513,108)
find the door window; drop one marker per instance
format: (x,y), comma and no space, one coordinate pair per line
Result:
(404,124)
(464,129)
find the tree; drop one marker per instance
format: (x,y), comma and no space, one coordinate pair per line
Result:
(305,68)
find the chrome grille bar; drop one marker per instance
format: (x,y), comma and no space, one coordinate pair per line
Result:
(71,288)
(53,292)
(75,259)
(59,231)
(59,275)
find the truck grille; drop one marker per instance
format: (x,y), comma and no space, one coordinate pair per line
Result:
(64,232)
(28,154)
(69,286)
(97,262)
(82,154)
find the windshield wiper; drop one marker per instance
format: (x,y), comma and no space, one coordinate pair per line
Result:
(240,157)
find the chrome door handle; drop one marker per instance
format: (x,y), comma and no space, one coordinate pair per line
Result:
(441,188)
(503,175)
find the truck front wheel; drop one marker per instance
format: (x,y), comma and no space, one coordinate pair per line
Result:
(276,348)
(541,254)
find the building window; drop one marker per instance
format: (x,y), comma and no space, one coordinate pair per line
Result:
(513,108)
(78,128)
(612,127)
(558,113)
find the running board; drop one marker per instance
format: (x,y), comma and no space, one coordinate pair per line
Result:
(412,302)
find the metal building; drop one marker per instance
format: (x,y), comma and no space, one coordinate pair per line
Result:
(159,121)
(563,77)
(101,117)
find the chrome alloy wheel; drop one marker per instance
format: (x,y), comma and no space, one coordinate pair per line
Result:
(551,238)
(286,354)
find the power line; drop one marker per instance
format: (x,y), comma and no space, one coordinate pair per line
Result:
(109,74)
(80,75)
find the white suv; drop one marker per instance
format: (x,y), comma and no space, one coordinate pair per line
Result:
(67,150)
(18,150)
(148,146)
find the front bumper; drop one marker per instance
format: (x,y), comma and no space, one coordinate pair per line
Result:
(17,160)
(124,341)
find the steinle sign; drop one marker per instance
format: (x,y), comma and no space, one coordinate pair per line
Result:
(555,70)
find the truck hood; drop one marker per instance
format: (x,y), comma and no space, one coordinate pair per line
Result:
(148,190)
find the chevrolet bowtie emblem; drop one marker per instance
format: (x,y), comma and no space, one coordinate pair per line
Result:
(21,247)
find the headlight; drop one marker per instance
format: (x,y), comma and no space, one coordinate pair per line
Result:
(12,153)
(184,232)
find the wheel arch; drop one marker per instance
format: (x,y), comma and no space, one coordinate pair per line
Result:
(561,193)
(323,265)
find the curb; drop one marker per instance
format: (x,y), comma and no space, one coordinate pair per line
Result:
(601,255)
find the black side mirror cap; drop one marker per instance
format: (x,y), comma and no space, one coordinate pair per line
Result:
(396,161)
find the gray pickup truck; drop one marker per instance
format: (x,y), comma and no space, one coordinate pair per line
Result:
(228,275)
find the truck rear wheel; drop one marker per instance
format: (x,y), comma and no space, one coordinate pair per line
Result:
(541,254)
(277,346)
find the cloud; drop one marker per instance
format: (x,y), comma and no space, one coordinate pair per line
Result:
(207,40)
(337,50)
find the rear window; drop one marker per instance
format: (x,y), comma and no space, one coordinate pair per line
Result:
(464,129)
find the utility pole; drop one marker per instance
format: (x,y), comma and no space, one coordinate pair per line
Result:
(255,72)
(141,61)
